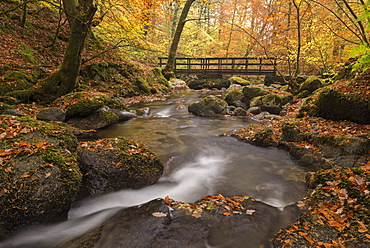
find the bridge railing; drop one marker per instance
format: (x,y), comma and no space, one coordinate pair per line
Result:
(221,66)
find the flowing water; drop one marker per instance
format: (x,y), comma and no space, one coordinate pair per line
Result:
(198,162)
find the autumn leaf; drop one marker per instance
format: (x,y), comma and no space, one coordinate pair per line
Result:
(226,213)
(159,214)
(118,165)
(26,174)
(361,227)
(3,192)
(48,174)
(8,169)
(250,211)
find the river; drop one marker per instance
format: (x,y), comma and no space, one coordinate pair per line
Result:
(198,162)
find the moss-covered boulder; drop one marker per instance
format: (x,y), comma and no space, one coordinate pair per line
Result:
(118,163)
(234,96)
(15,80)
(338,211)
(100,119)
(81,104)
(290,132)
(269,99)
(339,102)
(311,84)
(239,81)
(209,83)
(251,92)
(39,175)
(208,106)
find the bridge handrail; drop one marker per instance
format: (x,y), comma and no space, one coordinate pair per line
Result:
(223,65)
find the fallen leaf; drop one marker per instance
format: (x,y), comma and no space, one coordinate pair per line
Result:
(48,174)
(159,214)
(361,227)
(26,174)
(250,211)
(118,165)
(8,169)
(3,192)
(226,213)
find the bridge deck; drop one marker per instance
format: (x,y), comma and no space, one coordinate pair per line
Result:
(223,66)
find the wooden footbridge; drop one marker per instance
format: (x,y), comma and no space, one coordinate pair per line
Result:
(223,66)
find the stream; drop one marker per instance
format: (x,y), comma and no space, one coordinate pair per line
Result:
(198,162)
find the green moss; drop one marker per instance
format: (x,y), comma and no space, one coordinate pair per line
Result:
(142,84)
(81,103)
(240,81)
(233,95)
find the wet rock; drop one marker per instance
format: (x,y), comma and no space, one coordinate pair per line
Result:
(39,178)
(123,115)
(208,106)
(115,164)
(155,225)
(51,114)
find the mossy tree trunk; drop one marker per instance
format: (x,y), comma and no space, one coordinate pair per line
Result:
(80,14)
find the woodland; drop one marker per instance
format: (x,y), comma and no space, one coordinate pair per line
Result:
(58,53)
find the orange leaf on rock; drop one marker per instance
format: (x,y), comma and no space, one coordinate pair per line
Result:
(226,214)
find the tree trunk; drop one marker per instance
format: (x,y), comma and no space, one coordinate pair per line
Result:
(65,80)
(79,17)
(176,38)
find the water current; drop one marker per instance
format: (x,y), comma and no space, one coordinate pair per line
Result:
(198,162)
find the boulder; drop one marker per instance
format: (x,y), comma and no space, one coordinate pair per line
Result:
(311,84)
(12,112)
(39,175)
(117,163)
(154,224)
(254,110)
(208,106)
(335,104)
(290,132)
(209,83)
(239,81)
(123,115)
(252,92)
(233,96)
(51,114)
(81,104)
(98,120)
(269,99)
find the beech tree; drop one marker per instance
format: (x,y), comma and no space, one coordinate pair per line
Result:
(176,38)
